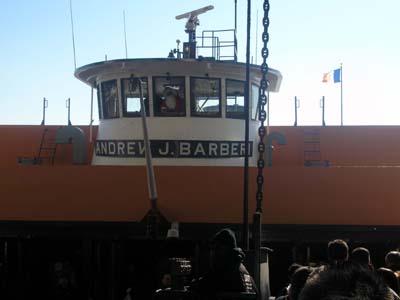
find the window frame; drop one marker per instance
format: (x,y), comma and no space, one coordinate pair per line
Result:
(99,102)
(138,114)
(156,111)
(257,111)
(193,113)
(102,100)
(228,115)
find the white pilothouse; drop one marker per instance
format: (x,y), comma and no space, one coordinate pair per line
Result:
(194,105)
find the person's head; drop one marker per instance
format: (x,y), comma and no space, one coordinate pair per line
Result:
(338,251)
(222,245)
(166,280)
(345,282)
(389,277)
(361,256)
(298,281)
(392,260)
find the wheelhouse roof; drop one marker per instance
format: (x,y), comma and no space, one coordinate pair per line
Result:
(95,72)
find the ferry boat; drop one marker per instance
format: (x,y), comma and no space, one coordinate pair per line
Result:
(78,195)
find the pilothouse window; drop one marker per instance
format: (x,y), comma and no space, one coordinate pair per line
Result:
(235,99)
(131,97)
(109,96)
(169,96)
(205,97)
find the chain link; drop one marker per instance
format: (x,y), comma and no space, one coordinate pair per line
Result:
(262,101)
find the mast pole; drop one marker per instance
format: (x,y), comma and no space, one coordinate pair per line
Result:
(126,45)
(323,110)
(44,111)
(68,103)
(246,137)
(256,55)
(341,94)
(73,33)
(151,181)
(235,41)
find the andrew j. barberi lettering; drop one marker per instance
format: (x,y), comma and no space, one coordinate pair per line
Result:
(173,149)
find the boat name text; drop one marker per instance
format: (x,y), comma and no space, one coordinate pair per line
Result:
(173,149)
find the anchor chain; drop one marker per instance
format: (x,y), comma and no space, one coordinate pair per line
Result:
(262,102)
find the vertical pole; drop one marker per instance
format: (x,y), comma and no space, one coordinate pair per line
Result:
(323,110)
(20,269)
(151,181)
(113,273)
(87,263)
(341,94)
(73,33)
(256,42)
(69,111)
(6,273)
(295,110)
(91,117)
(44,111)
(246,137)
(126,45)
(235,40)
(257,248)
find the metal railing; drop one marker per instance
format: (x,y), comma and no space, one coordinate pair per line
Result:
(211,40)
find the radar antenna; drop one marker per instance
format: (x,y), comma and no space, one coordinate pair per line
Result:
(189,48)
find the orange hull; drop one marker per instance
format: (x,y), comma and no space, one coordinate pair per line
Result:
(295,194)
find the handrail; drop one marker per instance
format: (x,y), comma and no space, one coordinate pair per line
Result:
(217,44)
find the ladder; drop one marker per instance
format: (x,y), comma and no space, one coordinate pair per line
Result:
(312,149)
(48,147)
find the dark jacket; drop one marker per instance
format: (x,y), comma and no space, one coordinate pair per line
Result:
(228,274)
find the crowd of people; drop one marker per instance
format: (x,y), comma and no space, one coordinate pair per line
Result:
(346,275)
(227,274)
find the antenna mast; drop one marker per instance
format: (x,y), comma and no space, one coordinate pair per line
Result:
(73,33)
(256,55)
(126,45)
(189,48)
(235,42)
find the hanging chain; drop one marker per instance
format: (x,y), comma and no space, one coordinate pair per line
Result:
(262,101)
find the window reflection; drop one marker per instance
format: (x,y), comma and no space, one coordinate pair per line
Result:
(169,96)
(235,99)
(99,101)
(205,97)
(131,97)
(109,95)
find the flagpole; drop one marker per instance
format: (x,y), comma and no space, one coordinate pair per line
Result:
(341,94)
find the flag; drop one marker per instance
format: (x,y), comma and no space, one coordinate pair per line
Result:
(326,77)
(337,75)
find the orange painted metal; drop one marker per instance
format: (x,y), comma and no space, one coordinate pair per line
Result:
(360,188)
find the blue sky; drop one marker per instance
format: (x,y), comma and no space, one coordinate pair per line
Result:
(308,38)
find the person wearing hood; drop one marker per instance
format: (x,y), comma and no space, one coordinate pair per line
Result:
(227,273)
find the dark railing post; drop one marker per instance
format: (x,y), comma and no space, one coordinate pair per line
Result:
(323,110)
(296,106)
(68,104)
(45,105)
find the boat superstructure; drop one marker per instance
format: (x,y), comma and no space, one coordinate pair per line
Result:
(195,111)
